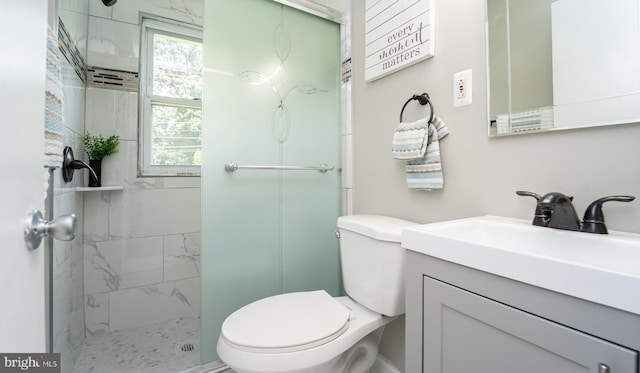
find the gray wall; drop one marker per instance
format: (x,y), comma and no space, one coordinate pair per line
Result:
(481,174)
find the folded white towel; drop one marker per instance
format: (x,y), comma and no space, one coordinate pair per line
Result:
(410,140)
(426,173)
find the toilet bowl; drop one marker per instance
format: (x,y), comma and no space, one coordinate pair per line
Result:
(314,332)
(305,357)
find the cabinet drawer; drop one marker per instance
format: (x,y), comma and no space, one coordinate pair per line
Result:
(465,332)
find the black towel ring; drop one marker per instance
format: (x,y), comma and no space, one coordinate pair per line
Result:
(423,99)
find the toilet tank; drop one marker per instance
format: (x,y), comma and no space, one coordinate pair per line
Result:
(373,267)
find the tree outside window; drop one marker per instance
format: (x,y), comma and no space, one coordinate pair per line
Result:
(171,90)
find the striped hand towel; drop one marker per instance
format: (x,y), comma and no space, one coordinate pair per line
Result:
(410,140)
(426,173)
(54,102)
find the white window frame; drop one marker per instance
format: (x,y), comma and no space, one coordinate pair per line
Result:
(149,27)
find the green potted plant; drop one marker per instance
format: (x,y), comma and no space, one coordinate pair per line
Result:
(98,148)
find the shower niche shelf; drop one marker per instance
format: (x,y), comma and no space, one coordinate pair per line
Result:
(105,188)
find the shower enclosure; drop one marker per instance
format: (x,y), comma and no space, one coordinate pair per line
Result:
(272,98)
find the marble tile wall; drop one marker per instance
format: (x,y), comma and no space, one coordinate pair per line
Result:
(114,32)
(141,244)
(68,293)
(68,312)
(74,14)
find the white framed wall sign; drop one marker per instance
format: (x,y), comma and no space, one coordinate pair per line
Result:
(398,33)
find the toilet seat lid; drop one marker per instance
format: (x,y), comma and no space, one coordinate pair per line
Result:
(286,323)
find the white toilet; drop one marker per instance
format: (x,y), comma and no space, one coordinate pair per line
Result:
(313,332)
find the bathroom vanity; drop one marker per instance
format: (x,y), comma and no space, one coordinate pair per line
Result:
(491,294)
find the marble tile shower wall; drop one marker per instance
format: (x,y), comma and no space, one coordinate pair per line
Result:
(141,244)
(68,295)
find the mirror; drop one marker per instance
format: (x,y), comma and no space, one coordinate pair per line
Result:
(561,64)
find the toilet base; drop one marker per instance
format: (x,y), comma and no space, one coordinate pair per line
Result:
(353,351)
(361,357)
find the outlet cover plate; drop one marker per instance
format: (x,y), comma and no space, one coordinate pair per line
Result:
(462,88)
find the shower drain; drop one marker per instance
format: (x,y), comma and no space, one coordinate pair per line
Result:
(187,347)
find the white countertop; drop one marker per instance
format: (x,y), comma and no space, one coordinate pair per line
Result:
(603,269)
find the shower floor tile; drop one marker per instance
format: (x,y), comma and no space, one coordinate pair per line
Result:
(156,348)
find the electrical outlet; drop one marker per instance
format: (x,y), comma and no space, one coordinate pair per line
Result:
(462,88)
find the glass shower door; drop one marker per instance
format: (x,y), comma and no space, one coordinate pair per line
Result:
(271,98)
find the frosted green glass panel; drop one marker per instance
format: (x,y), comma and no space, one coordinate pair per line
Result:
(271,97)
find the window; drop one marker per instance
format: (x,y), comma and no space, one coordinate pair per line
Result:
(170,99)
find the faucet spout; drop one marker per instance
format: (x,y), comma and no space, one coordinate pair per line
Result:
(77,165)
(561,211)
(69,164)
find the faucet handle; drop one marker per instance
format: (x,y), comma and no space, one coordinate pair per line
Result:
(525,193)
(593,220)
(540,218)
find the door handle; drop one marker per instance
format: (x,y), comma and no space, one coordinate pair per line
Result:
(62,228)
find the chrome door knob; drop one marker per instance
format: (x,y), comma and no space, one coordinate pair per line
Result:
(62,228)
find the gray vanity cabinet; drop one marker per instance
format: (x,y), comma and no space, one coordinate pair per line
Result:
(462,320)
(465,332)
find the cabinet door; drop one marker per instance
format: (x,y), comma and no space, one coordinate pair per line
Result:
(465,332)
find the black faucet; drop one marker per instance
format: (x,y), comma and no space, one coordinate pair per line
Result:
(555,210)
(70,164)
